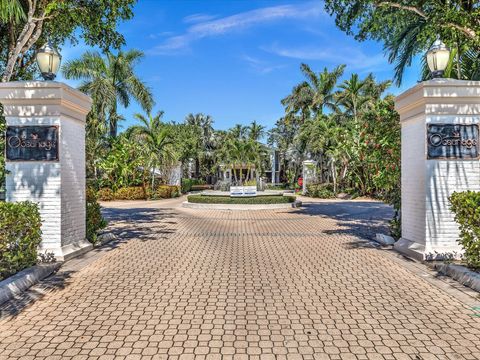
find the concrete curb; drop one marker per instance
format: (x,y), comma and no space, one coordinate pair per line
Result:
(459,273)
(104,238)
(295,204)
(384,240)
(21,281)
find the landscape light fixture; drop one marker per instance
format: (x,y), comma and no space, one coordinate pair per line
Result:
(437,58)
(48,60)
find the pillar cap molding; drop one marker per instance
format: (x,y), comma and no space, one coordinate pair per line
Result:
(440,97)
(43,98)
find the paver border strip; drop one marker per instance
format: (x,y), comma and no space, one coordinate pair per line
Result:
(21,281)
(190,205)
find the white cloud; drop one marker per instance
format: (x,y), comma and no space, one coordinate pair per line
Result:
(260,66)
(237,22)
(196,18)
(353,57)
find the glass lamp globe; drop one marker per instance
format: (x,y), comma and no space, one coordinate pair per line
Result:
(48,60)
(437,58)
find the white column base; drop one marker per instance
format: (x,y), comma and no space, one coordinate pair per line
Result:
(410,248)
(69,251)
(419,252)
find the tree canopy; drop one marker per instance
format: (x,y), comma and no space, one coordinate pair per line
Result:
(408,28)
(25,25)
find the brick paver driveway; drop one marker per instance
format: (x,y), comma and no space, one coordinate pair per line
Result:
(261,284)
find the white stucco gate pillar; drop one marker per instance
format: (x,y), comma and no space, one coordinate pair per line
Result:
(45,156)
(440,138)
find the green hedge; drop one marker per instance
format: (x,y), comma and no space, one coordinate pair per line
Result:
(323,191)
(187,184)
(94,218)
(165,192)
(131,193)
(105,194)
(20,235)
(466,207)
(139,193)
(205,199)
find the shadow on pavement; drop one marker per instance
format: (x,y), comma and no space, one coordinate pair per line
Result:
(362,219)
(138,222)
(126,224)
(55,282)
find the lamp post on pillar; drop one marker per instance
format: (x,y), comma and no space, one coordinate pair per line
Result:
(440,155)
(45,155)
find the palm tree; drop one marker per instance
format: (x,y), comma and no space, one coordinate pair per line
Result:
(202,126)
(11,11)
(256,131)
(157,138)
(110,80)
(315,93)
(238,131)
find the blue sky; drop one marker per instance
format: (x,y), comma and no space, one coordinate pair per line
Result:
(235,60)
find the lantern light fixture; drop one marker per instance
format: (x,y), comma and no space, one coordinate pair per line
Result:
(437,58)
(48,61)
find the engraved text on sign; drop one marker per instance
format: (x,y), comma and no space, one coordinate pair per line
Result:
(32,143)
(452,141)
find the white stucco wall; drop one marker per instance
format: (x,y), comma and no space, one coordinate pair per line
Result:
(444,178)
(72,161)
(57,186)
(39,182)
(413,180)
(428,226)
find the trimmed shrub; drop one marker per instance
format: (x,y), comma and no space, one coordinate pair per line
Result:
(323,191)
(165,192)
(131,193)
(276,187)
(20,235)
(466,207)
(95,220)
(187,184)
(105,194)
(206,199)
(201,187)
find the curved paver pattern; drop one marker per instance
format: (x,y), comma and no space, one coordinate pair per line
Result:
(184,284)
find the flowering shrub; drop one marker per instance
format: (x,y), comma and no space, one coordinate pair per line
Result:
(131,193)
(105,194)
(139,193)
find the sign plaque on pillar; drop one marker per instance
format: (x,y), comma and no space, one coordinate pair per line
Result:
(452,141)
(32,143)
